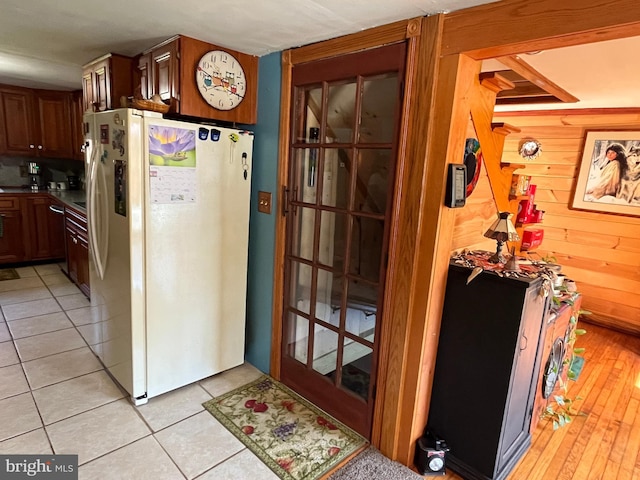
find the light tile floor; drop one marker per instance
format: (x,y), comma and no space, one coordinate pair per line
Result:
(55,397)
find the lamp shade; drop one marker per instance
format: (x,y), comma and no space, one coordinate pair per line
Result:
(502,229)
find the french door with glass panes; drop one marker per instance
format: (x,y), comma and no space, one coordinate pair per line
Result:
(345,118)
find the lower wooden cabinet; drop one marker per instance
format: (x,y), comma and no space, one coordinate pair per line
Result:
(46,227)
(31,230)
(36,227)
(11,230)
(77,240)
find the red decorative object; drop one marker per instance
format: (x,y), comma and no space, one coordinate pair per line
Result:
(531,238)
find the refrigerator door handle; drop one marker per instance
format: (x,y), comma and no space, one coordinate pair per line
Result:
(104,217)
(93,212)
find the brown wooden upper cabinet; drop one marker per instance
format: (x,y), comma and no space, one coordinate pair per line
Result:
(105,80)
(35,123)
(77,134)
(169,69)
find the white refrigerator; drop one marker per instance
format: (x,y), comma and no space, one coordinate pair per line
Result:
(168,220)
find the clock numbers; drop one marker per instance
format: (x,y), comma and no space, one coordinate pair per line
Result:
(220,80)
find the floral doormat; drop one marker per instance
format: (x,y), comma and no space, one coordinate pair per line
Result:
(297,440)
(8,274)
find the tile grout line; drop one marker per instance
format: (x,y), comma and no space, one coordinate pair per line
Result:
(151,433)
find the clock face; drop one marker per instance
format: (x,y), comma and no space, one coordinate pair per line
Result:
(436,463)
(221,80)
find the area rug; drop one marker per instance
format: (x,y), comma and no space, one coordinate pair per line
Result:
(8,274)
(294,438)
(371,464)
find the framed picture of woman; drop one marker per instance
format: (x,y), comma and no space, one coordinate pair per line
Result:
(609,173)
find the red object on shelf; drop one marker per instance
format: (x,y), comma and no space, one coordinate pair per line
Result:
(527,211)
(531,238)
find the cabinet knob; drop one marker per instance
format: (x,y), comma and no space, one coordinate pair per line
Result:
(32,145)
(39,147)
(75,240)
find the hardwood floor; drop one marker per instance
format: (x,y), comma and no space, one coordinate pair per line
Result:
(604,443)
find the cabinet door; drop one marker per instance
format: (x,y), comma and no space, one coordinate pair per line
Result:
(72,252)
(54,111)
(101,86)
(55,228)
(45,228)
(83,264)
(19,129)
(11,244)
(145,76)
(77,131)
(519,408)
(165,72)
(88,97)
(77,248)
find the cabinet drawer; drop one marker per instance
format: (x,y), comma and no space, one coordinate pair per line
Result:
(9,203)
(76,218)
(77,223)
(76,227)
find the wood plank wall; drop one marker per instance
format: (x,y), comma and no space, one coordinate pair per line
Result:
(601,252)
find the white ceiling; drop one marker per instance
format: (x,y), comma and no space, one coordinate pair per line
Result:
(600,75)
(44,43)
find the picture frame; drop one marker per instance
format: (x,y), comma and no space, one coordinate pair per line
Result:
(609,173)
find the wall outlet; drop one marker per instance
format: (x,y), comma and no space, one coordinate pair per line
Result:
(264,202)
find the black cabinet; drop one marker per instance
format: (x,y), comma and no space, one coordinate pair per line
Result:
(486,371)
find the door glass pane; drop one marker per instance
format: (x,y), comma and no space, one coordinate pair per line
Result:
(325,350)
(302,240)
(356,370)
(298,337)
(335,185)
(379,100)
(305,188)
(341,112)
(333,235)
(329,297)
(362,309)
(372,180)
(300,287)
(366,247)
(309,106)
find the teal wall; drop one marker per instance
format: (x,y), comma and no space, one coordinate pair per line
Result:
(261,226)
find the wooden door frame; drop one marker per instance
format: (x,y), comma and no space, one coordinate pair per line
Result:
(408,30)
(444,53)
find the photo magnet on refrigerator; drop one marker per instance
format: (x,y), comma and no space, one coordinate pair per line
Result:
(118,140)
(203,133)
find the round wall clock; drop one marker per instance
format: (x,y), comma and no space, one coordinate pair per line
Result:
(530,149)
(221,80)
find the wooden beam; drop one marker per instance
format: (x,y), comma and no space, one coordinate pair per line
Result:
(373,37)
(491,137)
(522,68)
(279,249)
(421,238)
(419,77)
(495,82)
(516,26)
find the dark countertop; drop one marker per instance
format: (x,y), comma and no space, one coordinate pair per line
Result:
(68,197)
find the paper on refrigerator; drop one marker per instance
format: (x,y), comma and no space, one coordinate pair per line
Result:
(172,164)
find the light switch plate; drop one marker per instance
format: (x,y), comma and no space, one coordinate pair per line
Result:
(264,202)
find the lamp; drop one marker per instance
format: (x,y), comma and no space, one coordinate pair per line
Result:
(502,231)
